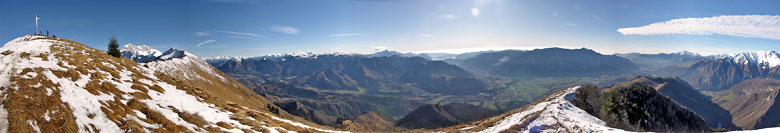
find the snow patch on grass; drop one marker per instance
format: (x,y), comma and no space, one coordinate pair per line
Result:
(556,114)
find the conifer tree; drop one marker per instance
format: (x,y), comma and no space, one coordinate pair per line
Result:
(113,47)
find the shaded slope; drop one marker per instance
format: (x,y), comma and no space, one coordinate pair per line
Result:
(728,70)
(687,96)
(642,108)
(437,116)
(753,103)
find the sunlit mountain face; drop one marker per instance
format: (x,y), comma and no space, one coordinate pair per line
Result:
(390,66)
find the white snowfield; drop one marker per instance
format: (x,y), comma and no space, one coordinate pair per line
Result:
(555,114)
(83,103)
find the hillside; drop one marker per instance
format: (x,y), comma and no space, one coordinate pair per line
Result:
(727,70)
(753,103)
(58,85)
(685,95)
(551,114)
(326,87)
(642,108)
(549,62)
(432,116)
(192,71)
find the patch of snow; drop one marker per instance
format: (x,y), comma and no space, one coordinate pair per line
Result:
(301,124)
(34,125)
(187,103)
(763,130)
(467,128)
(175,53)
(46,116)
(556,110)
(83,103)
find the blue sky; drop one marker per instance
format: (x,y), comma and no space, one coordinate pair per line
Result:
(247,28)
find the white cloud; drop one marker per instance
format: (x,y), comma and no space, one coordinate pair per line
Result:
(753,26)
(447,16)
(425,35)
(203,33)
(286,29)
(379,48)
(205,42)
(243,35)
(475,11)
(596,17)
(345,34)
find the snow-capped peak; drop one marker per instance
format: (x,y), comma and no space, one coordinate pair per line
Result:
(141,50)
(141,53)
(762,58)
(175,53)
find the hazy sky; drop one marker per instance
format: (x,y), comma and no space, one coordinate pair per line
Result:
(247,28)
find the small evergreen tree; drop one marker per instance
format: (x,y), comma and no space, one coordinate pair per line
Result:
(113,47)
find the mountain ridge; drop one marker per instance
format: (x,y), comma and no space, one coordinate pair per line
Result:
(58,85)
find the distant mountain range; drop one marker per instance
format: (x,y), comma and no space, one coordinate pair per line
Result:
(664,64)
(549,62)
(352,73)
(329,87)
(387,53)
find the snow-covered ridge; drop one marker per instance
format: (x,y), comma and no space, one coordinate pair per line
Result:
(141,53)
(177,62)
(555,114)
(175,53)
(765,59)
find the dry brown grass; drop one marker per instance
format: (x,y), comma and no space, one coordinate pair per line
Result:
(193,118)
(224,125)
(157,88)
(43,56)
(27,103)
(25,55)
(7,52)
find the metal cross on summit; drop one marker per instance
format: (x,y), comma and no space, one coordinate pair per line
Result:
(36,23)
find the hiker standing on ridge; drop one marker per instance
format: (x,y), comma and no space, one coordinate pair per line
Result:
(47,32)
